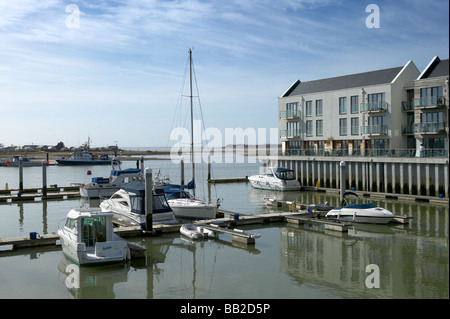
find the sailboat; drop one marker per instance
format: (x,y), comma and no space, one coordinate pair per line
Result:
(183,204)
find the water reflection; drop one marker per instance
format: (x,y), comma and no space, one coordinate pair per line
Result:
(91,282)
(410,266)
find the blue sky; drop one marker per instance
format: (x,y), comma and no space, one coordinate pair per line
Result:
(117,77)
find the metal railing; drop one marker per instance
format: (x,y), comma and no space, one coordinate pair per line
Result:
(289,133)
(374,129)
(430,101)
(374,152)
(429,127)
(291,113)
(374,107)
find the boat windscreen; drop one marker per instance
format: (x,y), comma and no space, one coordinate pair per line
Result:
(285,174)
(160,204)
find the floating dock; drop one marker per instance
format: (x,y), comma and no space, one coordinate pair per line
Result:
(225,225)
(37,193)
(228,180)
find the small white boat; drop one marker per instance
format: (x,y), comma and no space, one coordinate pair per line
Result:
(88,238)
(360,213)
(196,232)
(191,208)
(276,178)
(128,206)
(106,187)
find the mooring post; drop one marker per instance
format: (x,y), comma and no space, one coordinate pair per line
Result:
(142,162)
(182,172)
(20,174)
(342,179)
(148,199)
(44,179)
(209,168)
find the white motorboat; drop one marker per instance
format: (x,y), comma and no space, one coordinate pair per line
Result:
(276,178)
(360,213)
(196,232)
(88,238)
(106,187)
(185,206)
(128,206)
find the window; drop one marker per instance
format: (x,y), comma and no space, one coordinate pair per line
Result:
(291,109)
(319,127)
(432,117)
(354,125)
(342,126)
(308,108)
(319,110)
(375,102)
(309,129)
(431,92)
(343,105)
(354,104)
(377,143)
(292,129)
(376,125)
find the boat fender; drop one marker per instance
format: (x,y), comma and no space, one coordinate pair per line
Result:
(293,207)
(239,230)
(354,215)
(128,254)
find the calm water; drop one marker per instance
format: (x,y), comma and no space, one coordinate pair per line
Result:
(287,262)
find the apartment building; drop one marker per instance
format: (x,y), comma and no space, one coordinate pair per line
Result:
(427,111)
(360,113)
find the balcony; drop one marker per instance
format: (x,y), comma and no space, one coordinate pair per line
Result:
(289,133)
(407,106)
(429,102)
(294,114)
(429,128)
(374,107)
(374,130)
(408,129)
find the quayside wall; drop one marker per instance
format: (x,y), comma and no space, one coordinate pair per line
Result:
(397,175)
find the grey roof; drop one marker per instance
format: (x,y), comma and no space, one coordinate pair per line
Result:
(344,82)
(436,69)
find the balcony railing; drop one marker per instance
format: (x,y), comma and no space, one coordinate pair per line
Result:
(433,101)
(429,127)
(374,107)
(374,152)
(290,114)
(408,129)
(374,129)
(407,106)
(289,133)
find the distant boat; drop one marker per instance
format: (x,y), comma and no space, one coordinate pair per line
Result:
(107,186)
(360,213)
(15,162)
(276,179)
(85,158)
(88,238)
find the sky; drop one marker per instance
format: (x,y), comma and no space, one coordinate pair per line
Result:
(114,70)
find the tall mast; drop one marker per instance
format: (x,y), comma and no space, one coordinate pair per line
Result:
(192,120)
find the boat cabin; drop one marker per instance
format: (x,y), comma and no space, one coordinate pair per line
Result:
(136,193)
(90,226)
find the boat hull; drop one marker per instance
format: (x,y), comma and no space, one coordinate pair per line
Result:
(355,216)
(115,251)
(261,183)
(79,163)
(192,209)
